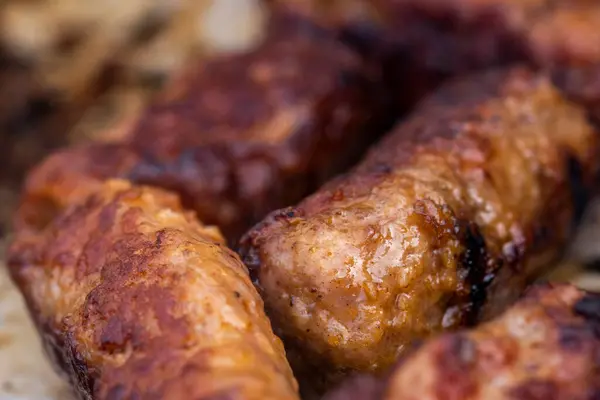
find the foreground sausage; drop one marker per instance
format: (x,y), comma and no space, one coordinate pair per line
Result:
(443,224)
(239,136)
(136,300)
(545,347)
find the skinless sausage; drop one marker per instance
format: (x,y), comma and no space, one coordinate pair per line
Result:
(238,136)
(544,347)
(441,225)
(136,299)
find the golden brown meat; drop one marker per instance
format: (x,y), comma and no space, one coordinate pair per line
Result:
(436,39)
(136,299)
(442,225)
(547,346)
(240,136)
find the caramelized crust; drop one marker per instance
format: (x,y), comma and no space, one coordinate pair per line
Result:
(547,346)
(238,136)
(135,299)
(443,224)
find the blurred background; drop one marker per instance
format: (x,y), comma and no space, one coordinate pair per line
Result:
(74,71)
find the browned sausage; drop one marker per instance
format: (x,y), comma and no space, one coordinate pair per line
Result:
(241,135)
(135,299)
(442,225)
(545,347)
(421,43)
(432,40)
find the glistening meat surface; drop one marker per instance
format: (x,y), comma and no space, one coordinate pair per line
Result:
(442,225)
(547,346)
(135,299)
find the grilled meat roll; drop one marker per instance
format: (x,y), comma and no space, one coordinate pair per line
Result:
(422,43)
(136,299)
(430,40)
(547,346)
(441,225)
(239,136)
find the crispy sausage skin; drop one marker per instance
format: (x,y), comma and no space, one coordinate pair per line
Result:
(135,299)
(242,135)
(443,224)
(544,347)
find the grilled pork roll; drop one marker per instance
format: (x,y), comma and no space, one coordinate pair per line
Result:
(547,346)
(442,225)
(238,136)
(135,299)
(428,41)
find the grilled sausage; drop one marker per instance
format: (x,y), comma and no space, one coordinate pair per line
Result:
(545,347)
(421,43)
(135,299)
(442,225)
(431,40)
(240,136)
